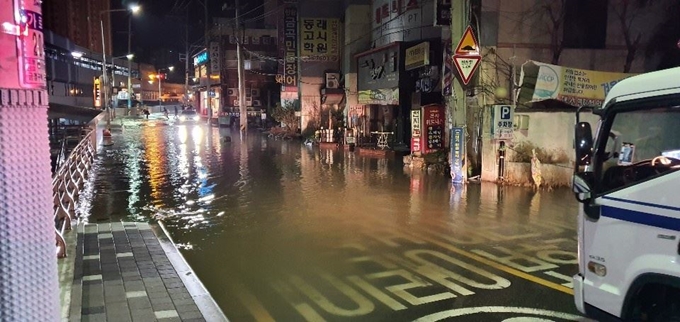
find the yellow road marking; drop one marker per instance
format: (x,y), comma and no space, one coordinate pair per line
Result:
(498,266)
(252,304)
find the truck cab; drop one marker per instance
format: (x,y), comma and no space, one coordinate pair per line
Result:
(627,181)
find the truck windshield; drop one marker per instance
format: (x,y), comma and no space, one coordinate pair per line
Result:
(640,144)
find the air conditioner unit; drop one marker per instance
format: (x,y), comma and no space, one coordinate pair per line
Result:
(232,92)
(255,92)
(332,80)
(249,102)
(257,103)
(235,103)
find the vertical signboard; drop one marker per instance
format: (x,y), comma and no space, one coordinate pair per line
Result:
(23,46)
(214,57)
(97,92)
(457,155)
(290,43)
(319,39)
(416,128)
(433,136)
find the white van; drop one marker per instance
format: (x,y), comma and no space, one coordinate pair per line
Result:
(628,182)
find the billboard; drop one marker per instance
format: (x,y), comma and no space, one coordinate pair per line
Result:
(319,39)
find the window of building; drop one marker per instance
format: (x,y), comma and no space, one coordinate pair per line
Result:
(585,24)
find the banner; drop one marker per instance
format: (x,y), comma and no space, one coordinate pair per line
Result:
(319,41)
(379,96)
(290,35)
(577,87)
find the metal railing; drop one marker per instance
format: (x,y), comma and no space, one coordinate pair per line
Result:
(71,175)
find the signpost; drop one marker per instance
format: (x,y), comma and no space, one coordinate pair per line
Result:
(466,58)
(502,125)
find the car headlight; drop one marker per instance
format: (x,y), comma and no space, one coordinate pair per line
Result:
(196,118)
(182,118)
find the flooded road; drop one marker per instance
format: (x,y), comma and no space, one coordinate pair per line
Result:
(279,231)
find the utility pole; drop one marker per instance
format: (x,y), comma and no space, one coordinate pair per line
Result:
(456,104)
(243,109)
(207,47)
(186,61)
(129,51)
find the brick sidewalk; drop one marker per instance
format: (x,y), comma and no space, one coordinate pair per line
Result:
(124,273)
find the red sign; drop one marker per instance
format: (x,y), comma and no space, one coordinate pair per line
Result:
(432,128)
(467,57)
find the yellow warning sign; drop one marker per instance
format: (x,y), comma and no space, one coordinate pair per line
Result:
(468,45)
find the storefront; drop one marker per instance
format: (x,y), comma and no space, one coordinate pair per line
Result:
(383,95)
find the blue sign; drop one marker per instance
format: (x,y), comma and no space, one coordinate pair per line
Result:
(506,112)
(457,155)
(201,58)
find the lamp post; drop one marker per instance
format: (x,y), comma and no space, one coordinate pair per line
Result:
(159,76)
(113,70)
(133,9)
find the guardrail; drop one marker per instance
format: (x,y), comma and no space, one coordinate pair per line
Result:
(70,177)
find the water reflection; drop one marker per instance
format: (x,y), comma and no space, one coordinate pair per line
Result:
(293,225)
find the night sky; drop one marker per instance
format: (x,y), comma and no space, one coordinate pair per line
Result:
(158,30)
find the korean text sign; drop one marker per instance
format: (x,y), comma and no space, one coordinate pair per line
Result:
(319,39)
(290,41)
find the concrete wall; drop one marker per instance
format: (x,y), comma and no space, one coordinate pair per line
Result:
(551,130)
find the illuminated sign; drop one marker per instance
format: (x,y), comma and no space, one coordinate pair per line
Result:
(201,58)
(97,91)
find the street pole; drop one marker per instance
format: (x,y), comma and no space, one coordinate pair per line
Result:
(456,104)
(207,47)
(104,78)
(129,80)
(186,62)
(160,93)
(243,109)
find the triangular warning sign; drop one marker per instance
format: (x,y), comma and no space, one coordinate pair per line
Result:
(466,66)
(468,44)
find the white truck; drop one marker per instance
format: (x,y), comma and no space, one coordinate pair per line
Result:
(628,184)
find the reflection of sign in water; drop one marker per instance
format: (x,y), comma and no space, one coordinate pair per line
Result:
(502,125)
(457,156)
(319,39)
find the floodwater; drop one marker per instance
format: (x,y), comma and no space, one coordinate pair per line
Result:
(280,231)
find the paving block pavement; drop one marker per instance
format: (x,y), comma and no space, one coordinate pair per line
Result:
(125,272)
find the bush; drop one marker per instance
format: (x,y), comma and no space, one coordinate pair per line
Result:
(286,114)
(522,152)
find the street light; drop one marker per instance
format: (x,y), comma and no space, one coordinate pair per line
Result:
(159,76)
(133,9)
(77,54)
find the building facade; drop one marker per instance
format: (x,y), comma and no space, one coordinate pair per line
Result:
(80,21)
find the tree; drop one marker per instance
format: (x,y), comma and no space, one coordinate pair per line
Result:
(548,16)
(626,13)
(662,48)
(285,114)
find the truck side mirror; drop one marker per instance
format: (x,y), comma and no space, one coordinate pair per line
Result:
(583,144)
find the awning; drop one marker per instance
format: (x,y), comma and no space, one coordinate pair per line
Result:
(70,112)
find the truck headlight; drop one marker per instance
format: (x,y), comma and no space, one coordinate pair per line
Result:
(182,118)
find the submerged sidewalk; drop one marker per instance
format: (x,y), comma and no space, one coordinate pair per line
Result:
(126,271)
